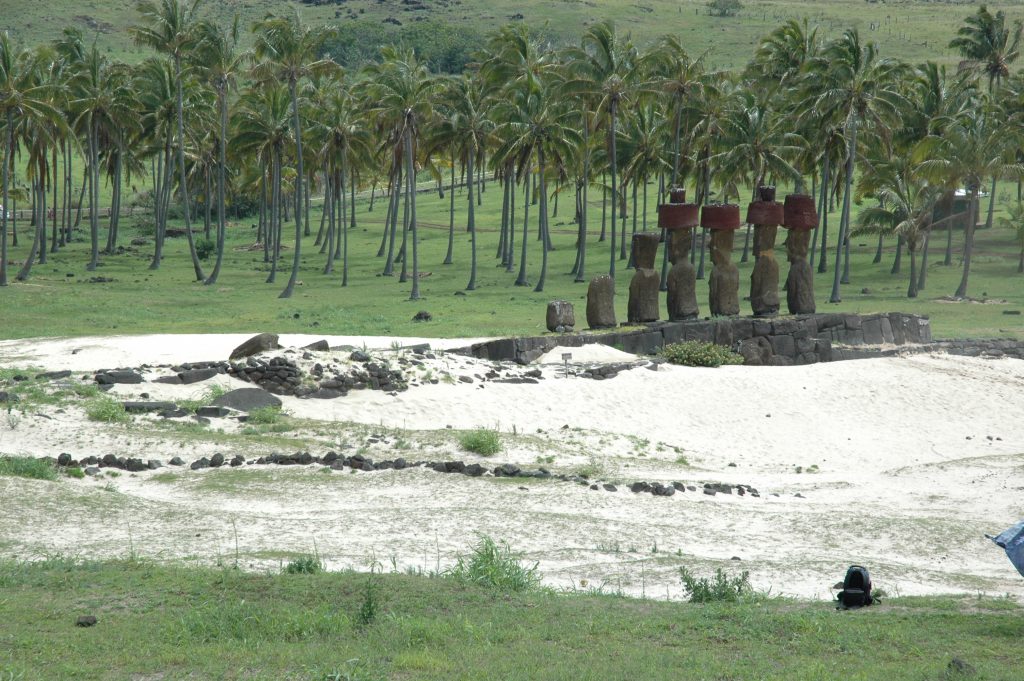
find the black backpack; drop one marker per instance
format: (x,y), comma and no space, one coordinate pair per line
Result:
(856,591)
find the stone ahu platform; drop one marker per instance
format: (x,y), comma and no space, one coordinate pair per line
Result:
(780,341)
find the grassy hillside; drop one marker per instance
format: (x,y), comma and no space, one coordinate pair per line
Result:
(909,30)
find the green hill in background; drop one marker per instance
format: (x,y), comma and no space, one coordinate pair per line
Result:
(913,31)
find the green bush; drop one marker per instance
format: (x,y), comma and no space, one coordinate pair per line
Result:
(700,354)
(495,566)
(74,472)
(265,415)
(205,248)
(307,564)
(27,467)
(723,588)
(107,409)
(481,441)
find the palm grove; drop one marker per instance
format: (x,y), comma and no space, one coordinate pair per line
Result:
(215,128)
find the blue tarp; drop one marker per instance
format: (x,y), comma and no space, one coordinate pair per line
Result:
(1012,541)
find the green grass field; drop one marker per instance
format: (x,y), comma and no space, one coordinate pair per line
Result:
(59,300)
(177,622)
(914,30)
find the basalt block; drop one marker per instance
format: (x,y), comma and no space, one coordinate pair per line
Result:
(601,302)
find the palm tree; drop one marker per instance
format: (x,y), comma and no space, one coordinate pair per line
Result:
(534,125)
(987,45)
(402,91)
(605,66)
(852,84)
(221,62)
(906,202)
(101,100)
(169,28)
(21,97)
(969,150)
(287,51)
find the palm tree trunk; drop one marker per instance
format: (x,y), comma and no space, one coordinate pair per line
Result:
(503,232)
(614,195)
(94,224)
(543,219)
(511,255)
(912,287)
(387,213)
(40,231)
(878,251)
(961,290)
(221,166)
(275,216)
(402,253)
(991,204)
(451,215)
(329,191)
(54,243)
(604,210)
(924,261)
(299,203)
(341,210)
(897,262)
(415,295)
(823,218)
(844,221)
(158,197)
(183,178)
(471,222)
(581,245)
(948,260)
(208,189)
(521,279)
(352,209)
(389,264)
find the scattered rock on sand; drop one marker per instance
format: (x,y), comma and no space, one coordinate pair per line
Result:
(247,399)
(259,343)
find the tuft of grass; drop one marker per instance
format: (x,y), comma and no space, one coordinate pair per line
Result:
(306,564)
(482,441)
(75,472)
(265,416)
(699,354)
(493,565)
(107,409)
(721,588)
(27,467)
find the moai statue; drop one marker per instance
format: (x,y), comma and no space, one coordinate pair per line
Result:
(601,302)
(800,218)
(643,288)
(723,221)
(678,219)
(765,214)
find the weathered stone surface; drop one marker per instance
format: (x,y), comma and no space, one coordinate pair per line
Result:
(643,296)
(213,411)
(645,249)
(247,399)
(755,351)
(601,302)
(682,278)
(560,314)
(764,279)
(724,282)
(800,280)
(317,346)
(142,407)
(196,375)
(118,376)
(255,345)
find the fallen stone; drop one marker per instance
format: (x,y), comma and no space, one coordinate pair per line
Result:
(196,375)
(247,399)
(217,460)
(255,345)
(143,407)
(201,463)
(318,346)
(86,621)
(213,411)
(112,377)
(176,461)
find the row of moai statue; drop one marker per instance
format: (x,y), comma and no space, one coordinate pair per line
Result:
(678,220)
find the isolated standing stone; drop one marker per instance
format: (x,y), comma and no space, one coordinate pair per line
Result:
(601,302)
(255,345)
(560,314)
